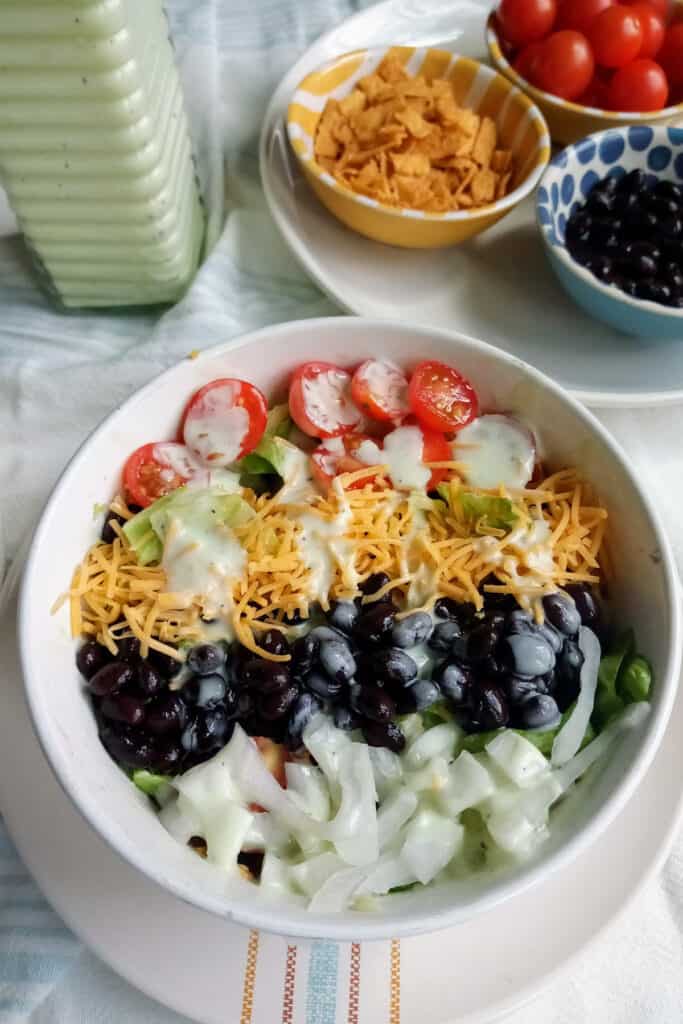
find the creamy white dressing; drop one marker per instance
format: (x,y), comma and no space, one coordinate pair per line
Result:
(216,430)
(402,453)
(495,450)
(388,385)
(177,460)
(323,549)
(203,563)
(295,470)
(327,404)
(531,551)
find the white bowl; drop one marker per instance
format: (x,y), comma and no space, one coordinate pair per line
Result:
(644,594)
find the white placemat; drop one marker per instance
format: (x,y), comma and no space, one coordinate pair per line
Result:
(60,374)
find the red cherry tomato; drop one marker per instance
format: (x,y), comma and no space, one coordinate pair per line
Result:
(327,463)
(319,401)
(526,61)
(435,448)
(525,21)
(379,389)
(662,7)
(670,56)
(224,420)
(580,14)
(595,95)
(653,28)
(441,398)
(565,64)
(616,37)
(155,470)
(640,86)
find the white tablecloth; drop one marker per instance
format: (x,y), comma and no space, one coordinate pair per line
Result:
(60,374)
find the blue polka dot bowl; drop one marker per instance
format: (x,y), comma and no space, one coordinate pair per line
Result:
(657,150)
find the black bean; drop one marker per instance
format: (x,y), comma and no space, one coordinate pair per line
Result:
(294,618)
(519,622)
(374,583)
(412,630)
(562,613)
(205,659)
(375,703)
(447,608)
(586,604)
(274,642)
(166,714)
(390,667)
(111,678)
(633,182)
(424,693)
(343,615)
(568,674)
(265,676)
(133,748)
(167,757)
(552,636)
(488,708)
(207,731)
(538,711)
(211,690)
(337,660)
(321,685)
(305,654)
(302,711)
(518,688)
(149,681)
(445,635)
(344,719)
(276,705)
(123,708)
(128,650)
(384,734)
(108,534)
(164,663)
(375,624)
(246,704)
(455,681)
(529,654)
(91,657)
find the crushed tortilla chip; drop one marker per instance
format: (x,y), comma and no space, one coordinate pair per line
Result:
(404,140)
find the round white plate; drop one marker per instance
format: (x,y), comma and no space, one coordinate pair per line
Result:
(153,940)
(499,287)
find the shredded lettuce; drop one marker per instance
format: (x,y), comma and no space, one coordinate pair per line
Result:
(608,702)
(486,509)
(265,460)
(150,783)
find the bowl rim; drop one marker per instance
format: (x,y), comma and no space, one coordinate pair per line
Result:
(275,917)
(559,249)
(503,64)
(453,216)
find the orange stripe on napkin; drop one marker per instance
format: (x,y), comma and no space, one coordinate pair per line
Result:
(395,983)
(354,983)
(288,992)
(249,979)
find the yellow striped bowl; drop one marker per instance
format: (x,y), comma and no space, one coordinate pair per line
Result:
(569,122)
(520,125)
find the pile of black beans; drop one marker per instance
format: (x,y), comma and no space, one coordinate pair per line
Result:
(629,233)
(359,662)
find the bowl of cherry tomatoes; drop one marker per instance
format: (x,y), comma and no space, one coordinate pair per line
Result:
(590,65)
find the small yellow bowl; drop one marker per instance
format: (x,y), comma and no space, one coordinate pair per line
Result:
(569,122)
(520,124)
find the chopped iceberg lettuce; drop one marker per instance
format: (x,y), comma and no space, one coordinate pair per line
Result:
(201,509)
(265,457)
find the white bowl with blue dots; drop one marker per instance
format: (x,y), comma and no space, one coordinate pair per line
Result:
(657,150)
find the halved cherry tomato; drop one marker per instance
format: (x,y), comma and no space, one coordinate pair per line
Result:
(435,448)
(653,28)
(224,421)
(671,55)
(565,64)
(616,37)
(441,398)
(640,86)
(526,21)
(155,470)
(579,14)
(327,462)
(379,388)
(319,401)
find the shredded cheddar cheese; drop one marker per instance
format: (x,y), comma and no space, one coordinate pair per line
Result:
(427,549)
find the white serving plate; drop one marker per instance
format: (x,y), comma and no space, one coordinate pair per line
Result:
(644,589)
(498,287)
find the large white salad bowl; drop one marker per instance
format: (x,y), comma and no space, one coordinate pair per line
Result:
(643,593)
